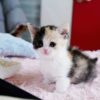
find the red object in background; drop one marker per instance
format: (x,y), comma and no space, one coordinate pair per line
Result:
(86,25)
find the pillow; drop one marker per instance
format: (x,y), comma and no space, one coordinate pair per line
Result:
(14,46)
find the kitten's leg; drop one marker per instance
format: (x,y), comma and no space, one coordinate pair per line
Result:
(62,84)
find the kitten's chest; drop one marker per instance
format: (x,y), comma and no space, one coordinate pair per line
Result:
(55,67)
(47,64)
(50,68)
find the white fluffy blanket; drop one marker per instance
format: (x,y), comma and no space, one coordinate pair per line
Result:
(30,79)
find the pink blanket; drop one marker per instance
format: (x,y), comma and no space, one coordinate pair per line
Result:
(30,79)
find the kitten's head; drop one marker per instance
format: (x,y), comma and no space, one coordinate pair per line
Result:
(49,40)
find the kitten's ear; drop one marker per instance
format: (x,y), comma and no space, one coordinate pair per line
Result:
(64,31)
(32,30)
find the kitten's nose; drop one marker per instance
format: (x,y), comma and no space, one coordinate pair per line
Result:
(46,51)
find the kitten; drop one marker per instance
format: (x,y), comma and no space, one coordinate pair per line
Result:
(59,62)
(51,43)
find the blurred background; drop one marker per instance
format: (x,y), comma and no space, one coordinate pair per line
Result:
(82,17)
(37,12)
(32,10)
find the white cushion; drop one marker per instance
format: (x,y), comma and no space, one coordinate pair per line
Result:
(14,46)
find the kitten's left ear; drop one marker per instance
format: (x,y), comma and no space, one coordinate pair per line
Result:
(64,31)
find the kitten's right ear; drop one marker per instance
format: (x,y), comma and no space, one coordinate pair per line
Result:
(32,30)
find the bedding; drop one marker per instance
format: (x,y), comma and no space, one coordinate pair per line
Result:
(30,79)
(14,93)
(13,46)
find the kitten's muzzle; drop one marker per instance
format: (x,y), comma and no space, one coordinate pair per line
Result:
(46,52)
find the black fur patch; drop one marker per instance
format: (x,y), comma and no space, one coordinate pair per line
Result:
(38,39)
(77,73)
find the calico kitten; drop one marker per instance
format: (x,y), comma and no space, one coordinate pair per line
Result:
(51,43)
(59,62)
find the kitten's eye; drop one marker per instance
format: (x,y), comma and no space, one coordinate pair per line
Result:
(52,44)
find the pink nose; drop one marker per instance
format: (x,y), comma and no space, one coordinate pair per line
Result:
(45,51)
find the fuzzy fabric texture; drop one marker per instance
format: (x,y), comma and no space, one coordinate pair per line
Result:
(32,81)
(13,46)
